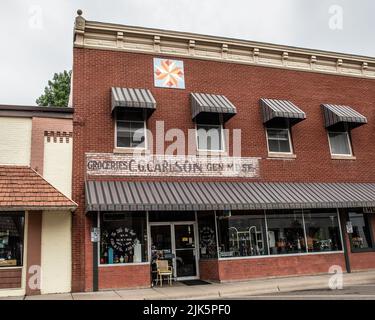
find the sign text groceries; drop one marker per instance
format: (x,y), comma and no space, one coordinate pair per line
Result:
(163,165)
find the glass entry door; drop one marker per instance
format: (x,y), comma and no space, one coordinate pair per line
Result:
(176,242)
(185,250)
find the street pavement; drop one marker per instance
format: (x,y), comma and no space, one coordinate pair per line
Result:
(357,285)
(355,292)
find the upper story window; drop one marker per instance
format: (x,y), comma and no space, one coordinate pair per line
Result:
(130,130)
(279,116)
(339,143)
(339,121)
(210,137)
(278,140)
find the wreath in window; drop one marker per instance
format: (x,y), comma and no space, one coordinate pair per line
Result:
(207,236)
(123,240)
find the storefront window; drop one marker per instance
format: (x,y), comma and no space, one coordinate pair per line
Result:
(241,234)
(207,235)
(285,232)
(322,230)
(11,239)
(361,237)
(123,238)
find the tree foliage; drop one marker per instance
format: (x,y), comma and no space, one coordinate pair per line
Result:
(57,92)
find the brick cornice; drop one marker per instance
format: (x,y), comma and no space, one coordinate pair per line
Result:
(107,36)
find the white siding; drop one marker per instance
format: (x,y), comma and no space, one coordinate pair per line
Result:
(56,252)
(58,164)
(15,146)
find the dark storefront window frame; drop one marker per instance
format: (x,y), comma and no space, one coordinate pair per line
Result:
(22,237)
(366,216)
(124,264)
(306,252)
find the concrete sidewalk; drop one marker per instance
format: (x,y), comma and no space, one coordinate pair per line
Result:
(215,290)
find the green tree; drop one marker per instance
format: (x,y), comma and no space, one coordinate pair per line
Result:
(57,92)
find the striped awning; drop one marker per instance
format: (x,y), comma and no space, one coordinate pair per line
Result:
(336,114)
(281,109)
(154,196)
(211,103)
(133,98)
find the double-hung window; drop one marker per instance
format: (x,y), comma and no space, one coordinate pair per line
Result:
(130,130)
(339,143)
(278,140)
(210,137)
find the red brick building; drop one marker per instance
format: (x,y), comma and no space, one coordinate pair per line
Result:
(293,195)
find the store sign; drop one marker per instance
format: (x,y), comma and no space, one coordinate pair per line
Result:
(349,227)
(94,234)
(108,164)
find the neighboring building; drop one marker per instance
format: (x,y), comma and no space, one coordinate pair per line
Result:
(35,205)
(299,199)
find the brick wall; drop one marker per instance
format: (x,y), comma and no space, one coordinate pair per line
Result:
(278,266)
(96,71)
(209,269)
(131,276)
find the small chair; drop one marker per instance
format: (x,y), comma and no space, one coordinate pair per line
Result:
(163,269)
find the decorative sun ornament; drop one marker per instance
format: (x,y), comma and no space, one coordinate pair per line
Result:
(169,73)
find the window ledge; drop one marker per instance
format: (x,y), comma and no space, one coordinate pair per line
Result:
(131,151)
(276,155)
(343,157)
(366,250)
(211,153)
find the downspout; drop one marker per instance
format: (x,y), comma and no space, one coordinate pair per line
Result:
(95,267)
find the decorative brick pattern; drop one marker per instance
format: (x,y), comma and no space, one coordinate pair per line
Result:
(57,136)
(41,126)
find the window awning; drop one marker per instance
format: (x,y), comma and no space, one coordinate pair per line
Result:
(133,98)
(21,188)
(281,109)
(203,103)
(336,114)
(154,196)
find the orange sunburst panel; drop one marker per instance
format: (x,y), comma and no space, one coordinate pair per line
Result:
(169,73)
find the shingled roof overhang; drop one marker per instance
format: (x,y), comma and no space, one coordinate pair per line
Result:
(22,188)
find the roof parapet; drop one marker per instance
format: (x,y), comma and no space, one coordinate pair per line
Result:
(109,36)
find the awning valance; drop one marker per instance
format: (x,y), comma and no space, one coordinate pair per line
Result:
(336,114)
(281,109)
(203,103)
(154,196)
(133,98)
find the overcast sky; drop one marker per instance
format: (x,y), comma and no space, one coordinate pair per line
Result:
(36,35)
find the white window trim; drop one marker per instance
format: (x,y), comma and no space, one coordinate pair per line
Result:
(132,148)
(223,149)
(345,155)
(291,152)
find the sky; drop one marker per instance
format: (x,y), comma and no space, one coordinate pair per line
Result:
(37,35)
